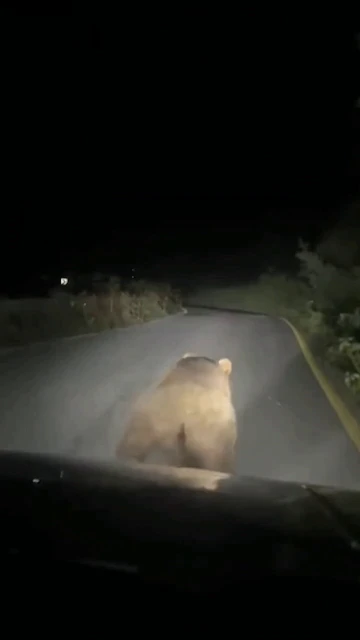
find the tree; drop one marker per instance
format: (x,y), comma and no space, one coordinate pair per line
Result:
(341,245)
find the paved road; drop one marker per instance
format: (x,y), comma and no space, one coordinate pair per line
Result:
(73,396)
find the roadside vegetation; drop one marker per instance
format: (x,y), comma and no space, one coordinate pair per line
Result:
(109,306)
(322,301)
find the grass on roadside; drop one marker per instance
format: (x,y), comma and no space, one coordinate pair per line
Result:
(23,322)
(275,295)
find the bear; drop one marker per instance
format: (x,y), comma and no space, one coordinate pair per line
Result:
(189,416)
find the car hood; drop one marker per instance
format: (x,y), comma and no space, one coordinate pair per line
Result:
(125,512)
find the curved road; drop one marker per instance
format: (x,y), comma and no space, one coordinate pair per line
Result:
(73,396)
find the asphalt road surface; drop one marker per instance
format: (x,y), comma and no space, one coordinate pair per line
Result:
(72,397)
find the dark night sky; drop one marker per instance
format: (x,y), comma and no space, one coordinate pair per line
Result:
(161,134)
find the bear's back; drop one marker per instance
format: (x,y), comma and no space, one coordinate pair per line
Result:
(199,371)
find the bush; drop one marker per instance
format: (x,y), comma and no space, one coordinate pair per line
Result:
(341,245)
(330,316)
(64,315)
(336,294)
(122,308)
(323,302)
(334,289)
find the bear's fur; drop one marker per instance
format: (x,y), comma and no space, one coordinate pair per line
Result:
(189,416)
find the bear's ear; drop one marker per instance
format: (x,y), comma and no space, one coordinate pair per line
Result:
(188,355)
(226,365)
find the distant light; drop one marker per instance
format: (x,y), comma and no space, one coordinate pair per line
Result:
(64,281)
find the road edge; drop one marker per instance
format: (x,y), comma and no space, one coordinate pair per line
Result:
(346,418)
(5,350)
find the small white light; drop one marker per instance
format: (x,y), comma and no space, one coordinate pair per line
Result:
(63,281)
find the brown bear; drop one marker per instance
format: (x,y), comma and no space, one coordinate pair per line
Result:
(189,416)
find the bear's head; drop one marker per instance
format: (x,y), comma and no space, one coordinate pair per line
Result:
(224,363)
